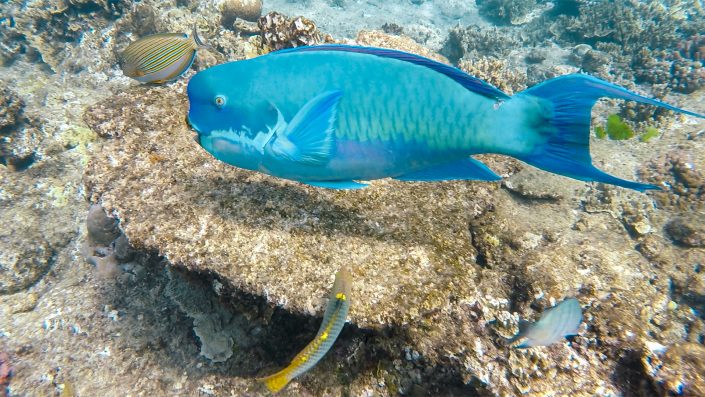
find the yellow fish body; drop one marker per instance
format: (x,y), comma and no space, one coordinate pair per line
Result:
(160,58)
(333,321)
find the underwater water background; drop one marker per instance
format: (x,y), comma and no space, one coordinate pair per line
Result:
(133,263)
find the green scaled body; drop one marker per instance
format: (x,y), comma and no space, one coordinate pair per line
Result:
(334,115)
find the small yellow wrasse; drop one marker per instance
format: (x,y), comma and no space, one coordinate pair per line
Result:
(159,58)
(333,321)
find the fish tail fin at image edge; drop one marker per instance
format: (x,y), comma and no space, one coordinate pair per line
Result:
(567,152)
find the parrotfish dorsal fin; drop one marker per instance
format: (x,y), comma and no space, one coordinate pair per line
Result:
(308,137)
(471,83)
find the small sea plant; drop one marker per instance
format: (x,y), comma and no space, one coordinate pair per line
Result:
(649,133)
(615,128)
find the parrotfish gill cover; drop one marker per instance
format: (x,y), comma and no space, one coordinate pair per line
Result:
(332,115)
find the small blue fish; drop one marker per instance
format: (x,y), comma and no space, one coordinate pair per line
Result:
(332,324)
(333,115)
(159,58)
(555,324)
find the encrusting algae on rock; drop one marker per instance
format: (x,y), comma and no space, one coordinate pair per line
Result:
(426,242)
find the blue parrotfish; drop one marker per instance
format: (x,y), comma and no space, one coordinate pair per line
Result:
(555,324)
(160,58)
(333,322)
(335,115)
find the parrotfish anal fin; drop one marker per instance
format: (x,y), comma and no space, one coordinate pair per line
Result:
(341,185)
(471,83)
(465,169)
(567,151)
(308,137)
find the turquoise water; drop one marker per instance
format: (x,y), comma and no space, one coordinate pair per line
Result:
(133,263)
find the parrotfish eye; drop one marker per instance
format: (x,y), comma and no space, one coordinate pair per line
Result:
(219,101)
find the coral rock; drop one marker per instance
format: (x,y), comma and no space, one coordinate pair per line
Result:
(688,231)
(683,370)
(279,32)
(375,38)
(249,10)
(19,134)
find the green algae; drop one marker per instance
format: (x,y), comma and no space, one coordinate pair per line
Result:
(649,133)
(617,129)
(600,132)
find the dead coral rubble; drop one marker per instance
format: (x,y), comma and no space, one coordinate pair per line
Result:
(278,31)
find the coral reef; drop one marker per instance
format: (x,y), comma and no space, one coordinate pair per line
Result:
(279,31)
(496,72)
(507,11)
(653,40)
(37,210)
(444,270)
(473,41)
(375,38)
(448,283)
(48,30)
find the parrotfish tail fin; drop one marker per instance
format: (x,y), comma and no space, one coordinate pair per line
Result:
(567,151)
(276,382)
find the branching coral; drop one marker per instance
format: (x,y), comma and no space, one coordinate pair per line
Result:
(473,41)
(640,37)
(508,11)
(496,72)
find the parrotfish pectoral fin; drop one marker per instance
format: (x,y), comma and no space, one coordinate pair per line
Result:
(308,137)
(567,151)
(466,169)
(340,185)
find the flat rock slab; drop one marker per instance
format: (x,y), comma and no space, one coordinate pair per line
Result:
(447,268)
(407,243)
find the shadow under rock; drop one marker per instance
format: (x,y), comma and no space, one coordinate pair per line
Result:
(283,206)
(153,325)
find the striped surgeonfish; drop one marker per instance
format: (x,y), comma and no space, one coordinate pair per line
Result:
(555,324)
(333,321)
(159,58)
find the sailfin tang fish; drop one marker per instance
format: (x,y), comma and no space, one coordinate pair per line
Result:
(333,115)
(333,321)
(159,58)
(555,323)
